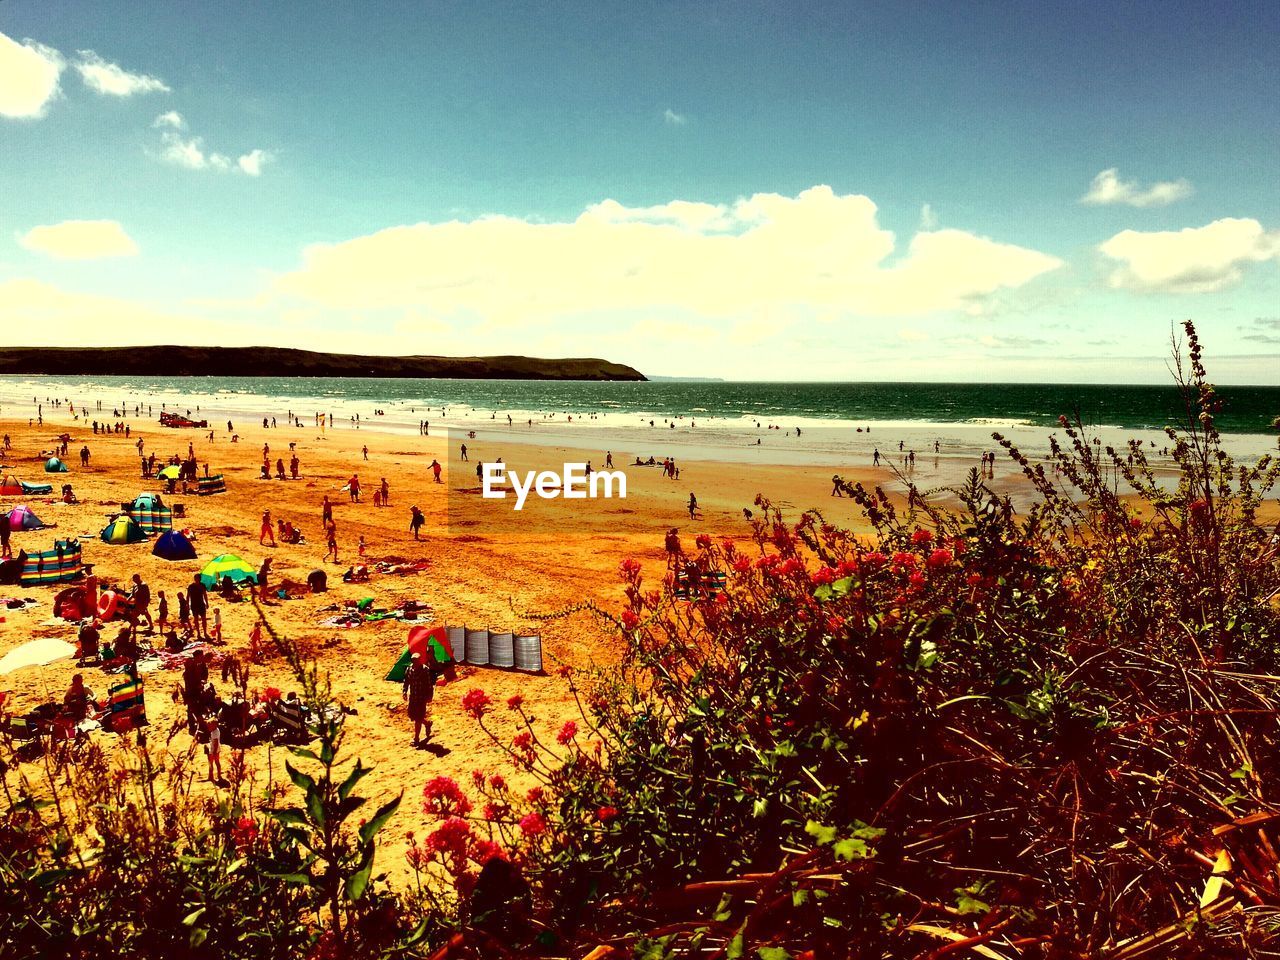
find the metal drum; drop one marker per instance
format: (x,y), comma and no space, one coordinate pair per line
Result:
(478,647)
(502,652)
(528,653)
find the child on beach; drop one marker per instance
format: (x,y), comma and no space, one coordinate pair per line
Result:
(214,747)
(360,547)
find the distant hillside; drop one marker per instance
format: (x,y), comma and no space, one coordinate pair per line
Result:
(278,362)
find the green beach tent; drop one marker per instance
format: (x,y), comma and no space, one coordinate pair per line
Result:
(54,465)
(122,530)
(426,640)
(227,565)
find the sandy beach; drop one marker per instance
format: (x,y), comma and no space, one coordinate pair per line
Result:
(495,567)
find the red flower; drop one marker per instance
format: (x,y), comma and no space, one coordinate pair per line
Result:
(875,559)
(629,620)
(567,733)
(605,814)
(973,579)
(916,579)
(476,702)
(244,833)
(742,564)
(482,851)
(522,740)
(825,575)
(497,782)
(1135,523)
(630,567)
(443,797)
(271,694)
(921,537)
(515,702)
(939,558)
(478,779)
(536,795)
(533,824)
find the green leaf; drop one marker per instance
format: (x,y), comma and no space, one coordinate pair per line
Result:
(358,881)
(191,918)
(300,779)
(822,834)
(379,820)
(773,953)
(357,772)
(289,815)
(315,808)
(851,849)
(199,936)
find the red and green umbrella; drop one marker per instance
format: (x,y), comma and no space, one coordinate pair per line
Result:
(427,641)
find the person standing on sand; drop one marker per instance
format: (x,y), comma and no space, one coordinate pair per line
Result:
(293,466)
(198,597)
(693,506)
(326,511)
(464,451)
(84,456)
(837,486)
(435,469)
(139,605)
(875,457)
(331,541)
(386,493)
(267,533)
(419,690)
(365,451)
(416,520)
(353,487)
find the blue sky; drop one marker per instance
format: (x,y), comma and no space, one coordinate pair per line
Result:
(744,190)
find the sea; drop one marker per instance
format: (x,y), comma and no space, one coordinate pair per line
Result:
(753,422)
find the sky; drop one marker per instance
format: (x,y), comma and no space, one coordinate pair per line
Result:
(751,190)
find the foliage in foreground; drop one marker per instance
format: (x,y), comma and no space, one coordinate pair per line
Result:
(1042,735)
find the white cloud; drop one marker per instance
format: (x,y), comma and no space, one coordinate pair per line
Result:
(172,119)
(1107,188)
(1193,260)
(251,163)
(673,119)
(80,240)
(29,74)
(190,152)
(110,79)
(818,250)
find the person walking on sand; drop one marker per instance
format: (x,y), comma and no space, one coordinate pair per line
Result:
(608,459)
(326,511)
(464,451)
(875,457)
(419,690)
(198,598)
(837,486)
(416,520)
(693,506)
(84,456)
(331,541)
(435,469)
(267,532)
(353,487)
(365,451)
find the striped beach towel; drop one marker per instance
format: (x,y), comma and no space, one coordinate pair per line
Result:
(62,563)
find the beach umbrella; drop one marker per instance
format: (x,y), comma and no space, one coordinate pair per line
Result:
(432,640)
(36,653)
(174,546)
(122,530)
(227,565)
(171,472)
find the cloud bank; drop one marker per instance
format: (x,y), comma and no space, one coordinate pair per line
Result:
(817,250)
(80,240)
(29,75)
(1193,260)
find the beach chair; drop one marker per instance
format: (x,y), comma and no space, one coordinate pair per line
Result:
(288,722)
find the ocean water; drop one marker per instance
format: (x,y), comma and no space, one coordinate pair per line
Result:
(841,424)
(1246,409)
